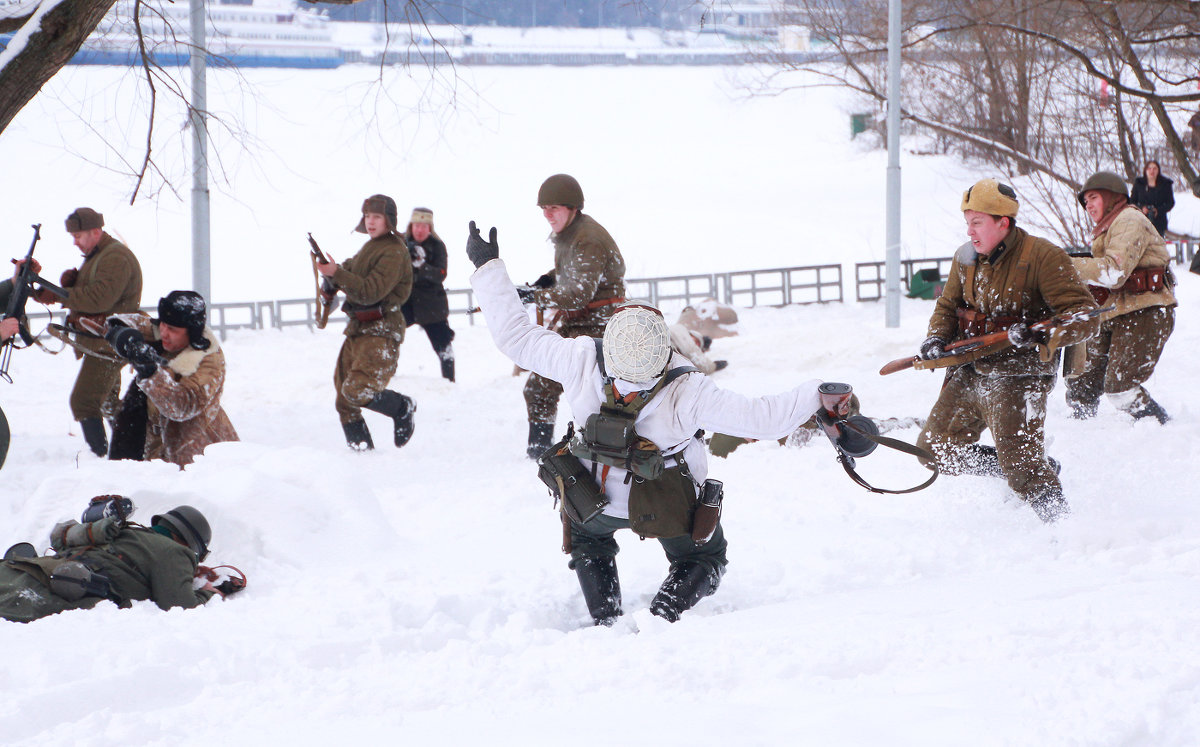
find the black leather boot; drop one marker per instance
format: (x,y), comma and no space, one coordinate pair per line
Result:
(357,435)
(541,436)
(93,433)
(601,587)
(1151,410)
(1050,506)
(447,357)
(400,409)
(687,583)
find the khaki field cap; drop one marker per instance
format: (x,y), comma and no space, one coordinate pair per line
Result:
(421,215)
(84,219)
(383,205)
(1105,180)
(561,189)
(991,197)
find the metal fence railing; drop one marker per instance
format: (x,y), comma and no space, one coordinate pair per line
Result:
(780,286)
(870,277)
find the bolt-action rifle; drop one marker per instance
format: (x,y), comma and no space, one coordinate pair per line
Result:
(960,348)
(16,305)
(324,297)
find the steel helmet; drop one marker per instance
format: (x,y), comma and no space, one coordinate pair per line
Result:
(189,524)
(561,189)
(637,344)
(1105,180)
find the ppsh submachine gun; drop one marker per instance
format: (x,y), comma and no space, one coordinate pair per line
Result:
(15,307)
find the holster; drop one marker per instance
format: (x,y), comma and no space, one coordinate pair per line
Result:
(973,323)
(363,313)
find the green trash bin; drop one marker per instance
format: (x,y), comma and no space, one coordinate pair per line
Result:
(859,123)
(925,284)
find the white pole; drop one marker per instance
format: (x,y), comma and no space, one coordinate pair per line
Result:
(200,216)
(893,169)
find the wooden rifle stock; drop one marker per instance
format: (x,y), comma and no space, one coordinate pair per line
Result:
(982,341)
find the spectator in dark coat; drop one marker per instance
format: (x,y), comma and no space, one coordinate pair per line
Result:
(428,305)
(1153,196)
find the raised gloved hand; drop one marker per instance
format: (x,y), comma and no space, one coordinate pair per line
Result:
(933,348)
(68,278)
(544,281)
(1021,336)
(481,252)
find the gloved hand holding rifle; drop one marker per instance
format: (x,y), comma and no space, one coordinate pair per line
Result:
(326,290)
(1020,335)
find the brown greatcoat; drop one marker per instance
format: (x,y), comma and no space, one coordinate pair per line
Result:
(1129,243)
(380,274)
(184,413)
(109,280)
(1026,277)
(588,267)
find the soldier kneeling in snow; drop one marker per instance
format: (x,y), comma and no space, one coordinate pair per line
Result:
(172,410)
(638,459)
(111,559)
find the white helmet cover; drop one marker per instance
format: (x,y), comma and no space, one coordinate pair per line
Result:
(637,344)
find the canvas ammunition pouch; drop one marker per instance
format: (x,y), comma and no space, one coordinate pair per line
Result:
(1141,280)
(363,313)
(73,581)
(973,323)
(608,438)
(571,484)
(666,506)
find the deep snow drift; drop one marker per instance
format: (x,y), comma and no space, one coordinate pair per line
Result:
(418,596)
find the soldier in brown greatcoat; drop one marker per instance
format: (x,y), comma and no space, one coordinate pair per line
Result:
(1003,279)
(173,410)
(108,282)
(587,280)
(377,281)
(1128,269)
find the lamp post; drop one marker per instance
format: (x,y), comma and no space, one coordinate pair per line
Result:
(201,274)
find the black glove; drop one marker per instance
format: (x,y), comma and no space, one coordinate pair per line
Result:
(545,281)
(526,294)
(933,348)
(481,252)
(1021,336)
(130,345)
(231,585)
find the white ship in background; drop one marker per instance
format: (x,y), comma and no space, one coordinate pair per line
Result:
(245,33)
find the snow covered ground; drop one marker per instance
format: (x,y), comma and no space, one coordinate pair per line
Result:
(419,596)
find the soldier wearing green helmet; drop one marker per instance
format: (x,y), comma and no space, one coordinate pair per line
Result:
(1129,269)
(587,281)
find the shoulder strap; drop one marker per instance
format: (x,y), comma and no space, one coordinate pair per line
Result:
(634,407)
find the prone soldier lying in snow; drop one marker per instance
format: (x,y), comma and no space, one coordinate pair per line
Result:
(114,560)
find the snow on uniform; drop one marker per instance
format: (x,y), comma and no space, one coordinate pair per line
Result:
(588,270)
(1121,358)
(1003,388)
(183,399)
(379,274)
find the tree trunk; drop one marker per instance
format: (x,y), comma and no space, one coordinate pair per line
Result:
(58,38)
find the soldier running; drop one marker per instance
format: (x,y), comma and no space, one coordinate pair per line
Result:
(1003,279)
(377,281)
(1129,268)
